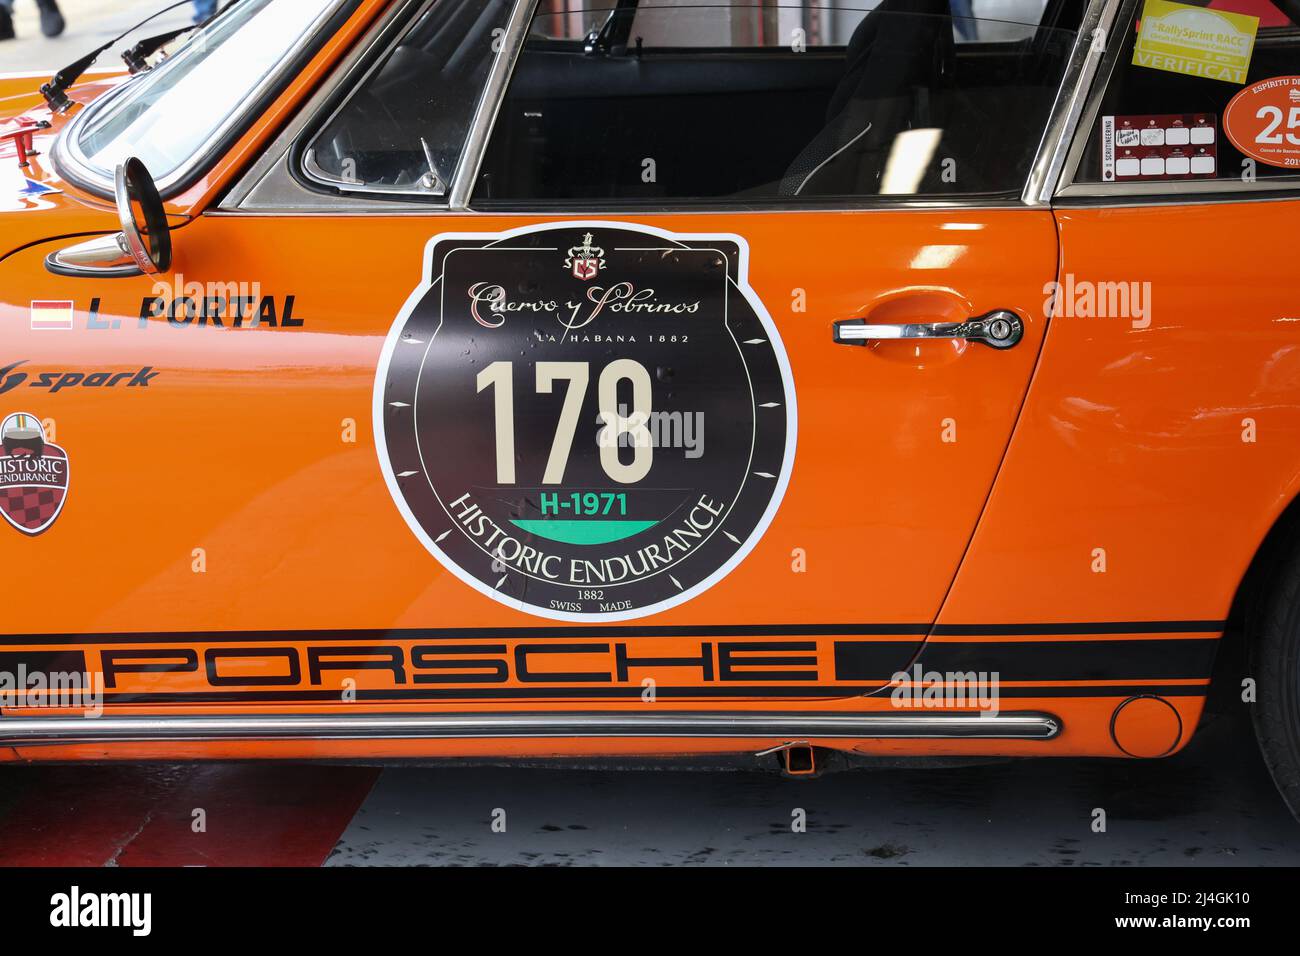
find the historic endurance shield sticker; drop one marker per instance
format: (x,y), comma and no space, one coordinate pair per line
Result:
(33,474)
(588,420)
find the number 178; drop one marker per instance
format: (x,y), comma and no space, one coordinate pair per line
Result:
(499,376)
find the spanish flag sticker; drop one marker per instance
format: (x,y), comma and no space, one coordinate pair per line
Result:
(52,316)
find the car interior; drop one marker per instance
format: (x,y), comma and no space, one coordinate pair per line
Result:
(773,124)
(741,123)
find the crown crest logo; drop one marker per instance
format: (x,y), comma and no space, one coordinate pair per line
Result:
(585,261)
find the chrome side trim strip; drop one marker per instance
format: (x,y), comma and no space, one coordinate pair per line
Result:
(1089,49)
(24,731)
(494,94)
(1078,197)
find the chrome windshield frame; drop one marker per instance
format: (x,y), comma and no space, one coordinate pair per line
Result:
(72,164)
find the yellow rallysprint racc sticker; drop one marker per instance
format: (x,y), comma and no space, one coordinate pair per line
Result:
(1195,41)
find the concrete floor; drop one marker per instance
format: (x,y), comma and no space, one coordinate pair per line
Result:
(1211,805)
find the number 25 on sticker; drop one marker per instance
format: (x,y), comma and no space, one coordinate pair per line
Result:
(499,376)
(1263,121)
(1272,115)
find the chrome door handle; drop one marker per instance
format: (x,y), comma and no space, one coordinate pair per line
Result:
(1001,330)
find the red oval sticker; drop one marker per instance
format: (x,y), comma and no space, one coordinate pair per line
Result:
(1263,121)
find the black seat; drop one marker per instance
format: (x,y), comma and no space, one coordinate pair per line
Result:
(899,55)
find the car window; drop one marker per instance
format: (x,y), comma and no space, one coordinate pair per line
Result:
(669,100)
(404,127)
(167,116)
(1200,91)
(689,23)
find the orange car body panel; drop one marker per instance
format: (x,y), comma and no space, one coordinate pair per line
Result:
(895,547)
(1172,446)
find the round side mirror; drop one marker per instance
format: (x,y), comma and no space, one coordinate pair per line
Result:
(145,232)
(144,246)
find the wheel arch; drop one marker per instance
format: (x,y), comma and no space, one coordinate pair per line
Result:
(1258,582)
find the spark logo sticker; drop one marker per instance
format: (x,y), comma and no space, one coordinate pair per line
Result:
(9,379)
(52,316)
(33,475)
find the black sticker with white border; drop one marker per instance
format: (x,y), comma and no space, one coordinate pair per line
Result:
(586,420)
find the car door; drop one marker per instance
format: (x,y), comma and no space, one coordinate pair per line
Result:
(522,396)
(1166,371)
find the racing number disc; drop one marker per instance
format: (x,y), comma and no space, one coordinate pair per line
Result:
(586,421)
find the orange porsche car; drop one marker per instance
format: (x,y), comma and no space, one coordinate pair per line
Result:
(795,383)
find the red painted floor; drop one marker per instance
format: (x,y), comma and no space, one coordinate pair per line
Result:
(252,814)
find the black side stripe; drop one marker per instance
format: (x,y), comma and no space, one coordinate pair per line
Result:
(614,693)
(1133,660)
(1097,627)
(42,662)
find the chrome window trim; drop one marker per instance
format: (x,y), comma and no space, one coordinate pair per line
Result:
(1201,190)
(270,186)
(258,204)
(1192,192)
(312,168)
(494,94)
(480,128)
(72,163)
(342,207)
(1063,121)
(485,111)
(1069,201)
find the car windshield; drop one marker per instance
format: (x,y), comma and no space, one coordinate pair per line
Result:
(169,114)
